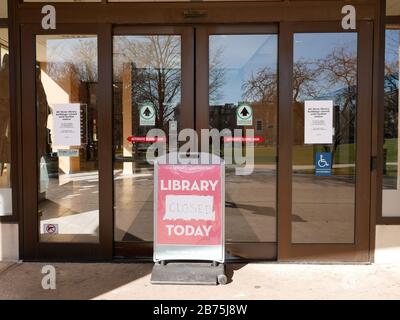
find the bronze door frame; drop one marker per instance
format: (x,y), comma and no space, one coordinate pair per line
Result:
(33,248)
(359,251)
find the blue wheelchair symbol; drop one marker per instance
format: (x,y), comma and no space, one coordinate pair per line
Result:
(323,164)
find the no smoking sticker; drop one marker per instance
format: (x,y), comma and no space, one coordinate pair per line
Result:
(50,228)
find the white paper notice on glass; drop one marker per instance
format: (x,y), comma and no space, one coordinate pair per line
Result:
(5,201)
(66,125)
(318,122)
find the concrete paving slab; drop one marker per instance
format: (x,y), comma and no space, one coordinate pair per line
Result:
(5,265)
(251,281)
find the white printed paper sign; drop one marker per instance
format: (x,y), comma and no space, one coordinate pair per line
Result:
(66,125)
(318,122)
(5,201)
(189,207)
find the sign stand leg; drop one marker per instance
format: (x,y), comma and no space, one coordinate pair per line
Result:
(199,273)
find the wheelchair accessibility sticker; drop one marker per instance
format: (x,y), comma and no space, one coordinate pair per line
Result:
(323,164)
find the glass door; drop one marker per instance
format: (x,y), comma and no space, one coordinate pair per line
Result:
(65,142)
(155,68)
(92,93)
(152,87)
(237,95)
(325,150)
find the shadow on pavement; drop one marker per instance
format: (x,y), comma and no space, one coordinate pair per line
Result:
(230,270)
(80,281)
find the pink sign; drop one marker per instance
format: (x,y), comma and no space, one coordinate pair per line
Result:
(244,139)
(146,139)
(189,208)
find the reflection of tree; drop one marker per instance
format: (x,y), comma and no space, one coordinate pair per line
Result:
(156,74)
(156,64)
(334,76)
(391,101)
(339,70)
(85,61)
(305,82)
(392,84)
(79,62)
(216,75)
(261,86)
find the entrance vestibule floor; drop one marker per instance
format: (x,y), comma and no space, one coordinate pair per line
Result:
(318,215)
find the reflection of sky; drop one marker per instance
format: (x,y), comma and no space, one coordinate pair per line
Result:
(392,51)
(312,46)
(242,56)
(62,50)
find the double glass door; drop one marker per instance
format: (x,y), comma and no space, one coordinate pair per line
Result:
(198,78)
(91,94)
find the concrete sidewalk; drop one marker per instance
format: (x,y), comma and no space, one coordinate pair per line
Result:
(251,281)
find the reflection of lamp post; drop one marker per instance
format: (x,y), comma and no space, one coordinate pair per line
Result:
(128,120)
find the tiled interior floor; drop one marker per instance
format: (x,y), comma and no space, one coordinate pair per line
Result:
(323,209)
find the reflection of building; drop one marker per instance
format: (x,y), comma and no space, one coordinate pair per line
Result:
(67,87)
(344,113)
(391,106)
(264,119)
(223,117)
(133,87)
(298,123)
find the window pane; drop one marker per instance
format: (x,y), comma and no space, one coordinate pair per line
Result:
(243,77)
(325,92)
(147,76)
(391,179)
(392,7)
(5,139)
(3,9)
(67,140)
